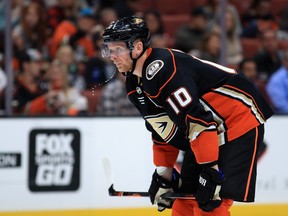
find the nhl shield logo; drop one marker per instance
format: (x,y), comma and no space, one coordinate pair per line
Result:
(138,90)
(153,68)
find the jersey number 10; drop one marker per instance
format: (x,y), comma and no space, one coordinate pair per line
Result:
(182,97)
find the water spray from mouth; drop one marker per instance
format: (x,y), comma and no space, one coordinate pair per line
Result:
(93,88)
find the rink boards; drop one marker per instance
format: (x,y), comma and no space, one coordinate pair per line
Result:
(53,166)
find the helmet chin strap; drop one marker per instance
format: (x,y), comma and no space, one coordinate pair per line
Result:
(129,73)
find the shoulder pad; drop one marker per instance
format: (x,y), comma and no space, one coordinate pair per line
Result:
(158,70)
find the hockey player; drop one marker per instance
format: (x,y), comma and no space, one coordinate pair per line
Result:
(207,110)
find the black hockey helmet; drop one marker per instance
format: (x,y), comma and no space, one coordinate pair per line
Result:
(128,29)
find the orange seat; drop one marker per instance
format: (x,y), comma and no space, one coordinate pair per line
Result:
(142,5)
(199,3)
(173,6)
(283,45)
(242,6)
(277,6)
(250,47)
(173,22)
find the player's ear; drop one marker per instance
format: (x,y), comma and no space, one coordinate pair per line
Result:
(139,46)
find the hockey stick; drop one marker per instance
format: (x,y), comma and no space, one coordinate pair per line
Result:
(113,192)
(168,195)
(107,170)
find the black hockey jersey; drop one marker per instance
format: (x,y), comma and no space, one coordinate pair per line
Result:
(192,103)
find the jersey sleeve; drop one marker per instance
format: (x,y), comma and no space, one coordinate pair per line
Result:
(163,153)
(167,139)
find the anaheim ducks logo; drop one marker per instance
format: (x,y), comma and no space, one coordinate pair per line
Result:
(138,20)
(153,68)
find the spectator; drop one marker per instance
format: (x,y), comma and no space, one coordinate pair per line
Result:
(277,87)
(190,35)
(234,52)
(268,59)
(159,38)
(210,47)
(107,15)
(248,68)
(61,98)
(77,35)
(16,6)
(31,31)
(3,83)
(283,24)
(159,41)
(258,19)
(28,83)
(3,80)
(258,8)
(65,55)
(258,26)
(154,22)
(62,10)
(114,100)
(126,7)
(234,49)
(213,12)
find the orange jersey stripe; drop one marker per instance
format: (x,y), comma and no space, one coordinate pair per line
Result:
(238,117)
(149,51)
(131,92)
(252,164)
(245,93)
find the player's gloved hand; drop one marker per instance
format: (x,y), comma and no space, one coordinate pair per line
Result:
(160,185)
(207,195)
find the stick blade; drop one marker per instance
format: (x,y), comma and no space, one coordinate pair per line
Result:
(112,191)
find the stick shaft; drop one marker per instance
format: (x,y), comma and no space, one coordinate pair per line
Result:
(168,195)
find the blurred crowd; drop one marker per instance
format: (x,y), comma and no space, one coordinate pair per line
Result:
(58,68)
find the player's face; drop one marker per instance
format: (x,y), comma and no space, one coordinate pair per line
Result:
(120,55)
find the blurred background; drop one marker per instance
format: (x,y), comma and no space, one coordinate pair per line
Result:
(63,109)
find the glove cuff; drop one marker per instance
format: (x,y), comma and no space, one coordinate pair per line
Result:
(165,172)
(215,175)
(163,183)
(211,164)
(174,183)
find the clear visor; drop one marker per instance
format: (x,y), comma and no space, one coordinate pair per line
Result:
(109,49)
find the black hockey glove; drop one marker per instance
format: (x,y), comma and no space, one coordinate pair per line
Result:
(160,186)
(207,195)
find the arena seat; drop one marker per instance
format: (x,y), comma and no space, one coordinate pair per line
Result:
(142,5)
(173,6)
(242,6)
(173,22)
(283,45)
(198,3)
(250,47)
(277,6)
